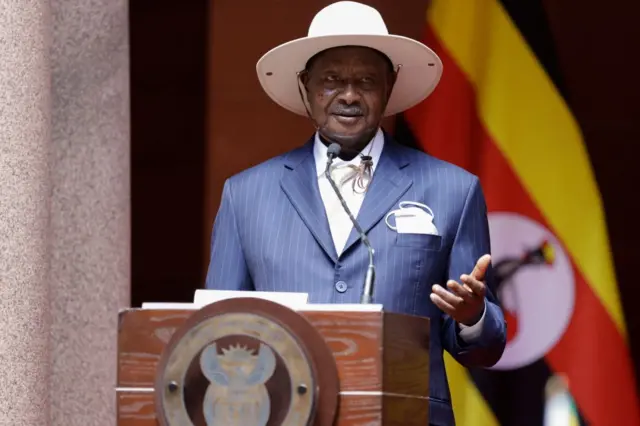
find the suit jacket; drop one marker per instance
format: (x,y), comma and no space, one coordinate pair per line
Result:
(271,234)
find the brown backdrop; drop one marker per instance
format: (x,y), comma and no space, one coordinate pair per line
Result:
(193,127)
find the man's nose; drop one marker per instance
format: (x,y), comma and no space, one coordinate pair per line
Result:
(349,95)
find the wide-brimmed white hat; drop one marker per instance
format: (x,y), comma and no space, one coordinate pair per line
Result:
(347,23)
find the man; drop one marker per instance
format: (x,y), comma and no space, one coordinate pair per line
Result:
(281,227)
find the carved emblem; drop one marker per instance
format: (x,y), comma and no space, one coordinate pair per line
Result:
(236,369)
(237,394)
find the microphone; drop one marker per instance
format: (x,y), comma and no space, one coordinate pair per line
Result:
(367,292)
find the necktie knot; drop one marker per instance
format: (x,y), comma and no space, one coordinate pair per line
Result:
(359,176)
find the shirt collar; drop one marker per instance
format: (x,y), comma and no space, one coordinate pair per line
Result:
(320,153)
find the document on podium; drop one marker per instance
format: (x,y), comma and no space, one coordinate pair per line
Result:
(341,307)
(291,300)
(203,297)
(168,305)
(294,301)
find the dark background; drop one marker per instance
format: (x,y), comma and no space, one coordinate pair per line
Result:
(198,116)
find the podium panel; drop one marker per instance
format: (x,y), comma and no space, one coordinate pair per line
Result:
(381,361)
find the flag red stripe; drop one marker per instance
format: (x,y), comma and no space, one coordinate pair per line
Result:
(592,353)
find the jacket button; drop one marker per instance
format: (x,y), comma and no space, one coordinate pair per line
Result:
(341,286)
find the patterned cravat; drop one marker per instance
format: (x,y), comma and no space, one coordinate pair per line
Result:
(352,181)
(359,175)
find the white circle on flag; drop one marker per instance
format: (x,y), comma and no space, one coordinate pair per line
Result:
(541,296)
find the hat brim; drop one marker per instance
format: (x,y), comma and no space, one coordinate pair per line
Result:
(419,74)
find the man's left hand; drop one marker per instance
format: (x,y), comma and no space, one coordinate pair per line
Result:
(465,302)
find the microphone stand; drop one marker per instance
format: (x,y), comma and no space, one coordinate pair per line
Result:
(369,279)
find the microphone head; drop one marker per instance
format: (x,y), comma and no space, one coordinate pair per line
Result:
(334,150)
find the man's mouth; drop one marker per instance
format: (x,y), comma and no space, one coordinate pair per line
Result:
(347,118)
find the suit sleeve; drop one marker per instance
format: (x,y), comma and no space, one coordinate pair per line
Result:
(470,243)
(227,264)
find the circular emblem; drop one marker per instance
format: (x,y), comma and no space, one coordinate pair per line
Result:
(535,284)
(246,362)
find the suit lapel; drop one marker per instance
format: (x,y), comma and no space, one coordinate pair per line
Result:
(300,184)
(389,183)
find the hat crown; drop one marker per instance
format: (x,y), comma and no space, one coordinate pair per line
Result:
(347,17)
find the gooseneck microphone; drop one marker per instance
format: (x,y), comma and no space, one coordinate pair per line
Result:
(367,292)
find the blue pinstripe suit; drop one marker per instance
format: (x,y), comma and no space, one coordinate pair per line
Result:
(271,234)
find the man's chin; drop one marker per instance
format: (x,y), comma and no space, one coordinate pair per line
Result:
(348,140)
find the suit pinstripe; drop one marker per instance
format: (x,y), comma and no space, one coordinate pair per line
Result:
(271,234)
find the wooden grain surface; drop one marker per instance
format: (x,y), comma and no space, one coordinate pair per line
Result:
(136,408)
(374,352)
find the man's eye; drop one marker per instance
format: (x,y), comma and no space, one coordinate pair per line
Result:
(331,78)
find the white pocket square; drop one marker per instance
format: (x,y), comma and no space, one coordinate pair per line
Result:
(413,218)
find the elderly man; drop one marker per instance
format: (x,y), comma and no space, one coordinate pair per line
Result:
(281,226)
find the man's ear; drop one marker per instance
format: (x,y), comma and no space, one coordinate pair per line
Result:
(393,77)
(304,79)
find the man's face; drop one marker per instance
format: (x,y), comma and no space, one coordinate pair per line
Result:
(348,89)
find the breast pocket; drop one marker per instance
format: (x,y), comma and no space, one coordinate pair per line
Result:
(420,241)
(423,259)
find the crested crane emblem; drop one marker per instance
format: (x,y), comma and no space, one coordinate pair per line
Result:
(237,394)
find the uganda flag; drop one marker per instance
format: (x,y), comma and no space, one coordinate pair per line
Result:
(499,112)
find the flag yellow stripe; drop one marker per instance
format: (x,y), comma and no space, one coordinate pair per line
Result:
(469,406)
(534,129)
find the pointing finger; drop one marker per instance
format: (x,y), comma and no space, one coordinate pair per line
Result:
(481,267)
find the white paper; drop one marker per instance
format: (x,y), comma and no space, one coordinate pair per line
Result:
(168,305)
(295,301)
(291,300)
(341,307)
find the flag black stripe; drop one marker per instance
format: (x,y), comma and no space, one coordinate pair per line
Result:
(517,396)
(530,17)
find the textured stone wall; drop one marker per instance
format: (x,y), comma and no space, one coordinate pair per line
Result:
(25,187)
(64,208)
(90,248)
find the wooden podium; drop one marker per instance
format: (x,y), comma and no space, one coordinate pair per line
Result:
(351,368)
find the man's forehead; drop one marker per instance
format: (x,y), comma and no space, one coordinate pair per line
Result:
(350,55)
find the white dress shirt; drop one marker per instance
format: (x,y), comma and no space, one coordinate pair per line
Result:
(339,222)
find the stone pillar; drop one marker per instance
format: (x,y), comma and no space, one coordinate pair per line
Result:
(24,212)
(64,208)
(90,225)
